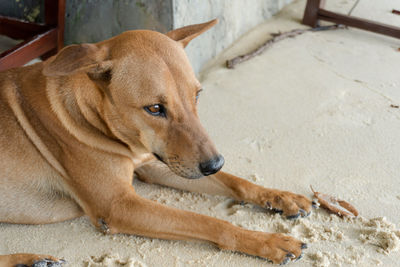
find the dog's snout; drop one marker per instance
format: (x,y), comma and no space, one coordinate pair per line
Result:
(212,166)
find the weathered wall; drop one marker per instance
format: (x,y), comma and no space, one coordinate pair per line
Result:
(95,20)
(30,10)
(236,17)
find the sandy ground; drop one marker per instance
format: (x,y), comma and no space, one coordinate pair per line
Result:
(315,109)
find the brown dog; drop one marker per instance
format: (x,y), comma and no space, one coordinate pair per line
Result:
(74,129)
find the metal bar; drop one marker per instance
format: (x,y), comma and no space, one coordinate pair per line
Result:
(360,23)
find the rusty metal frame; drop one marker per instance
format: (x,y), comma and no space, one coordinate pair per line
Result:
(315,11)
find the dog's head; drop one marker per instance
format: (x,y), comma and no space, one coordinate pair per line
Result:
(150,94)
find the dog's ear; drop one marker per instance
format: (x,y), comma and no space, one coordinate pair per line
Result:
(87,58)
(186,34)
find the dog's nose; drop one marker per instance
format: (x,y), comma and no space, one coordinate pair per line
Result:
(212,166)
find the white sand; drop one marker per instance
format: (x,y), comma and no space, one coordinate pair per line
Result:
(314,109)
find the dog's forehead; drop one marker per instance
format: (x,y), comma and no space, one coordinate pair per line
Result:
(152,57)
(144,42)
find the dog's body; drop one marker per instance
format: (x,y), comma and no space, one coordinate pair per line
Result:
(75,128)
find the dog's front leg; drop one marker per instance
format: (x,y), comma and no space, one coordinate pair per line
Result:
(292,205)
(110,201)
(133,214)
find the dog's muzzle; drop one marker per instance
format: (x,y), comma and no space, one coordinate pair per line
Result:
(212,166)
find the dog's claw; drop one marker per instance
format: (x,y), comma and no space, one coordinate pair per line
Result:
(42,263)
(303,213)
(299,257)
(288,257)
(268,260)
(103,226)
(291,255)
(277,211)
(314,204)
(48,263)
(285,261)
(293,217)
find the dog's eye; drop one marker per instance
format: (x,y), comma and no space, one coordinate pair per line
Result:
(156,110)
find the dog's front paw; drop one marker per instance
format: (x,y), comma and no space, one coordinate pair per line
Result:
(283,249)
(289,204)
(276,248)
(33,260)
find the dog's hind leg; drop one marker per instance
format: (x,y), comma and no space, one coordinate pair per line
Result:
(32,201)
(292,205)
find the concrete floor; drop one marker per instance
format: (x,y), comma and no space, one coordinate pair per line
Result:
(322,102)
